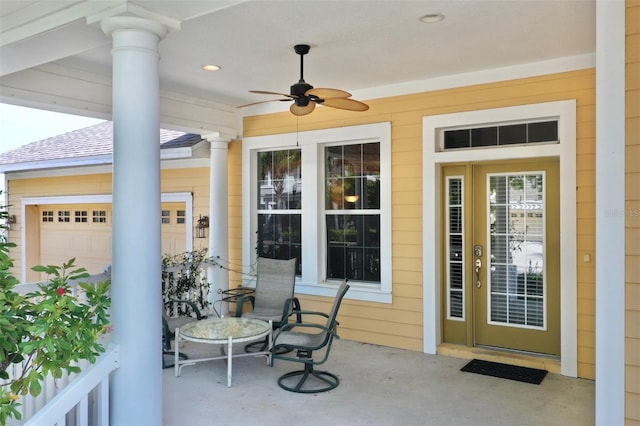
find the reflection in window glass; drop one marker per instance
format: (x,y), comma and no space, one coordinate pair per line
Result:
(352,203)
(279,190)
(517,249)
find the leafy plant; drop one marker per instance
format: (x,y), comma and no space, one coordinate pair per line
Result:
(48,330)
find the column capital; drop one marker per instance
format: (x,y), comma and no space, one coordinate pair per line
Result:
(116,23)
(217,140)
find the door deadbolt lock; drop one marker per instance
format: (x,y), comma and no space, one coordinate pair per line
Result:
(477,250)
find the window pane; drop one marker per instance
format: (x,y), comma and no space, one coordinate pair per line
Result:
(279,180)
(485,136)
(371,159)
(457,139)
(372,199)
(543,132)
(516,133)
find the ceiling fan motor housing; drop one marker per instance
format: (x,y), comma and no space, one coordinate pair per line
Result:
(298,90)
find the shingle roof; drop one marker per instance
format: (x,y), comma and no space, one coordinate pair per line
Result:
(91,141)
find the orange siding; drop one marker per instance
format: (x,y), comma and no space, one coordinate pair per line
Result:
(632,216)
(400,323)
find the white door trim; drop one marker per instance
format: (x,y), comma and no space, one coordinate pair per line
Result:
(434,158)
(171,197)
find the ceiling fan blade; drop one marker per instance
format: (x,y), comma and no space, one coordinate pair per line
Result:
(298,110)
(324,93)
(264,92)
(262,102)
(342,103)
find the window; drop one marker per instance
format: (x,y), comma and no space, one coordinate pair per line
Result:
(510,134)
(181,217)
(279,190)
(454,226)
(352,211)
(47,216)
(99,216)
(64,216)
(80,216)
(341,227)
(165,217)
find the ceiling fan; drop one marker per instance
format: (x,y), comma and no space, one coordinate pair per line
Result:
(305,96)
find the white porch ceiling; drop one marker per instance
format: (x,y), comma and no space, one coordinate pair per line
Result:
(356,45)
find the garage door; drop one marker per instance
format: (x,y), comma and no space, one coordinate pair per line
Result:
(83,231)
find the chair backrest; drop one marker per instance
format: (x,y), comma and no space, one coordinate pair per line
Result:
(275,282)
(331,320)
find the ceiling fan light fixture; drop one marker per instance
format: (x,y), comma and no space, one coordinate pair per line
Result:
(431,18)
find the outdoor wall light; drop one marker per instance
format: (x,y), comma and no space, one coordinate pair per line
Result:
(203,224)
(11,220)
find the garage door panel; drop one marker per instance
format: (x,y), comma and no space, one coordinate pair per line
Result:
(83,232)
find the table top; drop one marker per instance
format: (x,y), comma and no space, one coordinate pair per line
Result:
(218,330)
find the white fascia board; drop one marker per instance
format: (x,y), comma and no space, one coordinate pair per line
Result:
(56,164)
(167,154)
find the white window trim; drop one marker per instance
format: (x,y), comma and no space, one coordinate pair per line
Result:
(174,197)
(311,144)
(565,150)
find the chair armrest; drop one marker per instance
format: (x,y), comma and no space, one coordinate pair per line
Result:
(240,303)
(290,326)
(300,313)
(291,306)
(189,303)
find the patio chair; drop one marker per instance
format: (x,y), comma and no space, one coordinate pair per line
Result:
(305,338)
(189,312)
(273,298)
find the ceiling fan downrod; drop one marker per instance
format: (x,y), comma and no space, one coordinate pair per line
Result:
(299,89)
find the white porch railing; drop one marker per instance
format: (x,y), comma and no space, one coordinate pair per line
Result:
(76,399)
(85,400)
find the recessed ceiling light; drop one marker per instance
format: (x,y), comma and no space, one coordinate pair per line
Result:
(211,67)
(431,18)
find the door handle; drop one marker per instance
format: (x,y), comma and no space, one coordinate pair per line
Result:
(477,269)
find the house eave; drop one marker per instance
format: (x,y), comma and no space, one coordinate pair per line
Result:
(95,160)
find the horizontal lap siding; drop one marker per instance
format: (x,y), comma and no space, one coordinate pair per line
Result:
(632,215)
(399,324)
(194,180)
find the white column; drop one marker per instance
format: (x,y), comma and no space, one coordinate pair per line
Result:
(219,217)
(610,208)
(136,390)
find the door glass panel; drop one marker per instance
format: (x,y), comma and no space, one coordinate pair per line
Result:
(516,222)
(455,270)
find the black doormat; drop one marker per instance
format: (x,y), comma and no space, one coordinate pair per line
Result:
(505,371)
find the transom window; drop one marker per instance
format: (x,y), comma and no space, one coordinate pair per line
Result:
(505,134)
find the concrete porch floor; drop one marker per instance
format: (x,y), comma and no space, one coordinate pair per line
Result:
(378,386)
